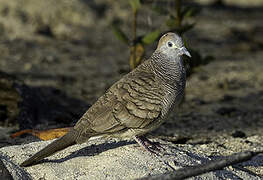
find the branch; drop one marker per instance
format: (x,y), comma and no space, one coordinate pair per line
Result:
(205,168)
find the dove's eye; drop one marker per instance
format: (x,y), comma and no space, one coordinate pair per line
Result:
(170,44)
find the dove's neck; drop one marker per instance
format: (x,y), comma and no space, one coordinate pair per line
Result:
(169,69)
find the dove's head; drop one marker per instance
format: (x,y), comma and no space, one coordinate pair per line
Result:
(172,45)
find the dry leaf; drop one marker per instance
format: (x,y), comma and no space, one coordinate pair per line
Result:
(43,135)
(138,52)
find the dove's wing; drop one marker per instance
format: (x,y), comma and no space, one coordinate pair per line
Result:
(132,103)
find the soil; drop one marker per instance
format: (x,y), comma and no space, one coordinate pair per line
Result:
(67,56)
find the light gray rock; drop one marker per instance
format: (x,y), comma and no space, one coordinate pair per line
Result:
(101,159)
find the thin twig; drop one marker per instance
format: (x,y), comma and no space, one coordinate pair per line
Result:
(205,168)
(134,36)
(178,13)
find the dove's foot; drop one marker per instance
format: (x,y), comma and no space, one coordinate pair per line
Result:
(148,145)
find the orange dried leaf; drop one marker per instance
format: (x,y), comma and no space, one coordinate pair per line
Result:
(138,52)
(50,134)
(20,133)
(43,135)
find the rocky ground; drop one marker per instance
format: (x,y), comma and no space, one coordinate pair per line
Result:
(67,56)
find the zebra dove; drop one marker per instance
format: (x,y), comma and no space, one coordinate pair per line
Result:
(136,104)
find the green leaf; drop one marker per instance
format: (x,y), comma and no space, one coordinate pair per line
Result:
(159,9)
(171,22)
(150,37)
(185,11)
(135,4)
(120,34)
(190,12)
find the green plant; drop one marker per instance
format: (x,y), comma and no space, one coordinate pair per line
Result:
(178,15)
(136,43)
(177,20)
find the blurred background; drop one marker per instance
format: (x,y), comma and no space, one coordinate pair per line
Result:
(58,57)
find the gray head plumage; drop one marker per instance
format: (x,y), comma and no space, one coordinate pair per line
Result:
(172,45)
(166,61)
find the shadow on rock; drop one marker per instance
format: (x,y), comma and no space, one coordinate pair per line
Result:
(91,150)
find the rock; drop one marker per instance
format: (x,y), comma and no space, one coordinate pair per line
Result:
(4,173)
(101,159)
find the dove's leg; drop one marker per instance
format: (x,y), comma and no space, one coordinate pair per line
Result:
(148,145)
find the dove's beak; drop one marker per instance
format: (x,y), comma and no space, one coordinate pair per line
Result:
(183,50)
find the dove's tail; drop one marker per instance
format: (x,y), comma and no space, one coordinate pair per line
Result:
(65,141)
